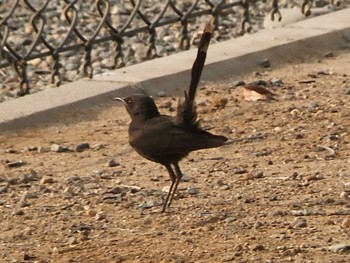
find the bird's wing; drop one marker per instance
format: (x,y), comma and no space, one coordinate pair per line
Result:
(167,138)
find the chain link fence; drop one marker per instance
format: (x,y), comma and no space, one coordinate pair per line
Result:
(47,40)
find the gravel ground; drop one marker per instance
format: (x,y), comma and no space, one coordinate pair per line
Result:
(75,191)
(56,26)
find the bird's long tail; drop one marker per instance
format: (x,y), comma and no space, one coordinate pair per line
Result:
(186,112)
(198,65)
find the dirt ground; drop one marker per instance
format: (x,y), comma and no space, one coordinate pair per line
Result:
(280,198)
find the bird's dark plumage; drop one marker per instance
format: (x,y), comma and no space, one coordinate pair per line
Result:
(166,139)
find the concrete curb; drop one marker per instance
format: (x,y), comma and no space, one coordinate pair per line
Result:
(171,74)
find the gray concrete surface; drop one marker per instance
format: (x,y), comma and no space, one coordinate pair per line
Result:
(172,74)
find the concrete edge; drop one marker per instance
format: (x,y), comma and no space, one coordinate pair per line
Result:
(172,74)
(47,114)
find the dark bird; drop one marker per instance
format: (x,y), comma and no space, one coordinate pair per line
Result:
(167,139)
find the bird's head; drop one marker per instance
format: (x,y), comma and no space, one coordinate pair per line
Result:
(140,107)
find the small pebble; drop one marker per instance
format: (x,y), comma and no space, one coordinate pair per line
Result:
(58,148)
(273,198)
(23,201)
(344,195)
(100,216)
(307,212)
(31,148)
(115,190)
(260,82)
(300,224)
(263,153)
(55,251)
(347,92)
(166,188)
(329,239)
(43,149)
(155,179)
(277,82)
(314,177)
(11,151)
(220,182)
(16,164)
(186,178)
(314,105)
(12,181)
(240,171)
(329,54)
(81,147)
(72,241)
(192,191)
(230,220)
(257,174)
(340,248)
(258,224)
(149,204)
(18,212)
(265,63)
(224,187)
(68,190)
(24,179)
(47,180)
(91,212)
(99,146)
(27,257)
(258,247)
(219,103)
(3,189)
(238,248)
(29,177)
(346,222)
(237,83)
(112,163)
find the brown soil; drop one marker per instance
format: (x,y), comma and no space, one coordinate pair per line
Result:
(281,198)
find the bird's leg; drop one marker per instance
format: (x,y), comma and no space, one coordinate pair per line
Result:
(173,180)
(177,181)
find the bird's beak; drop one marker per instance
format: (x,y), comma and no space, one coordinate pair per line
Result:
(120,99)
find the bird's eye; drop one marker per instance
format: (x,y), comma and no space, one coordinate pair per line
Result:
(128,101)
